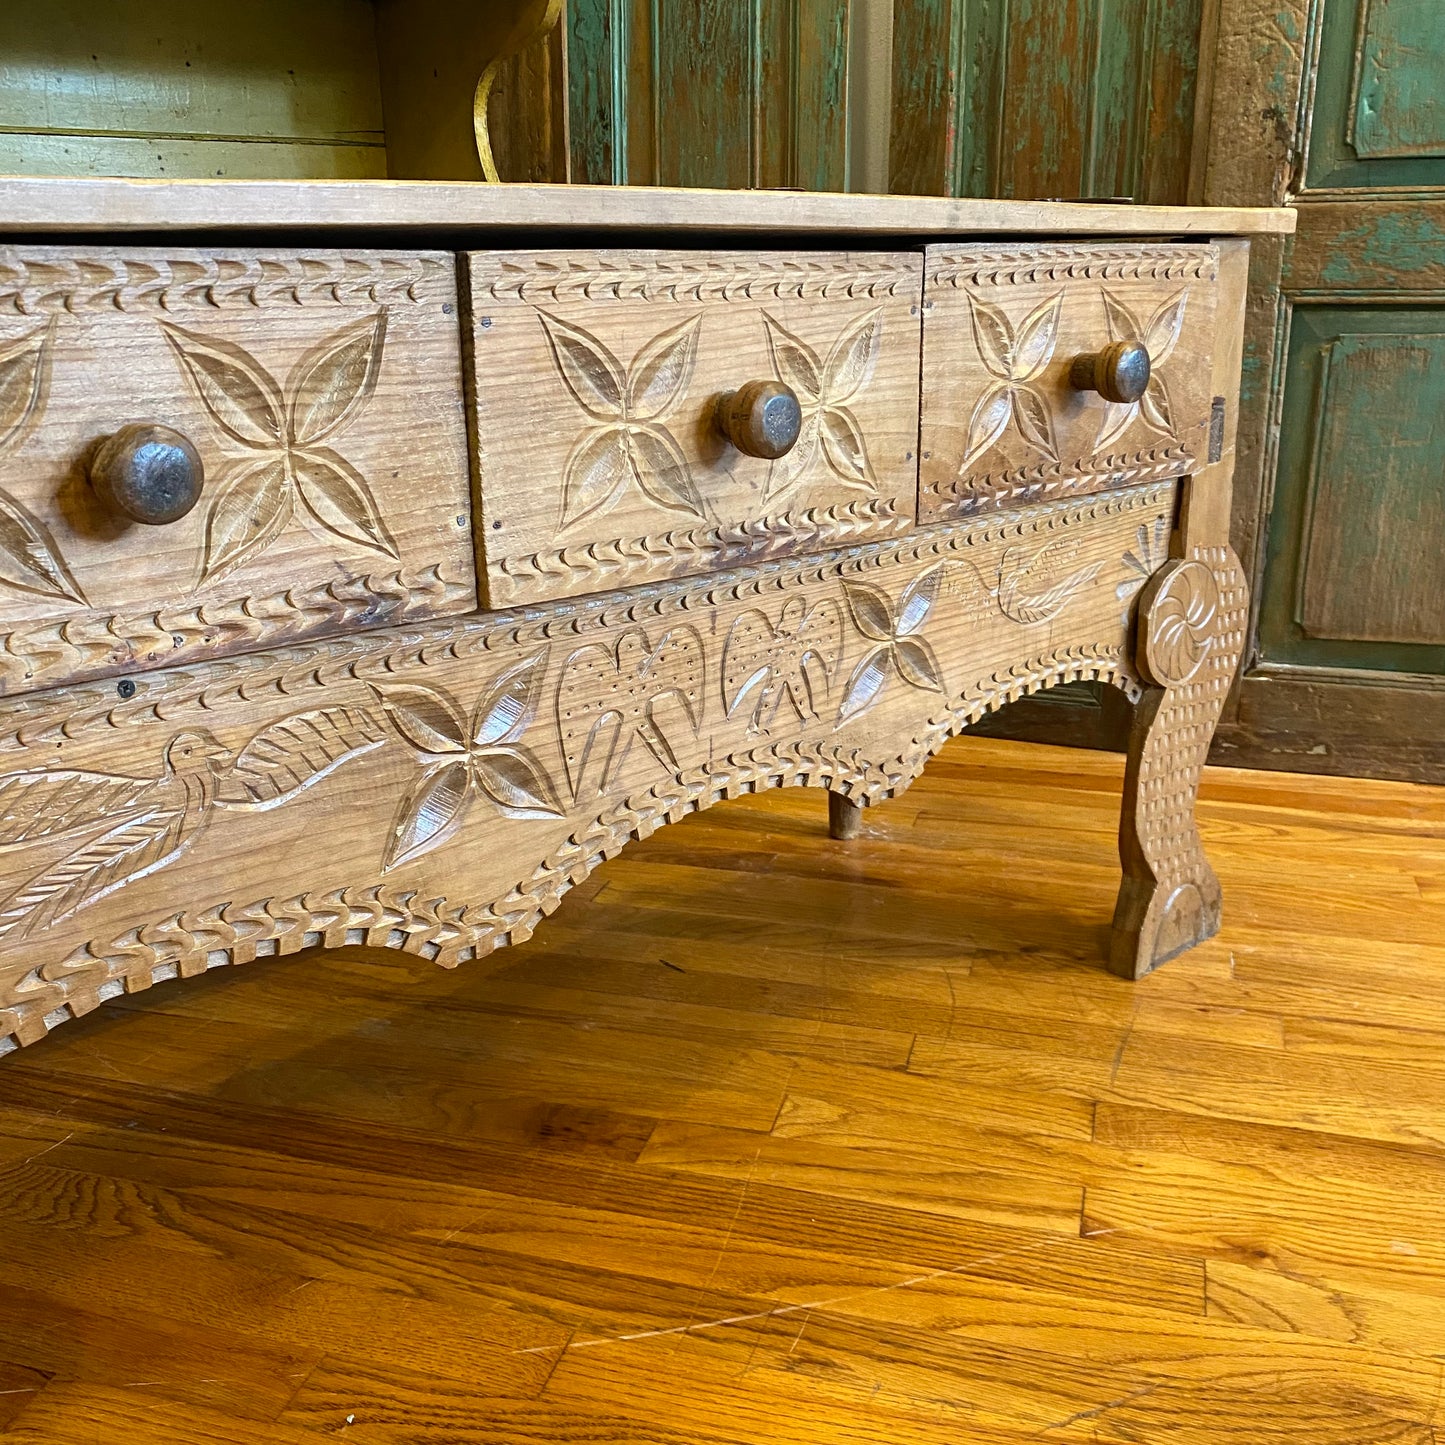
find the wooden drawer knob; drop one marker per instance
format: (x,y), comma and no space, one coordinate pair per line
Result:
(148,473)
(761,419)
(1120,372)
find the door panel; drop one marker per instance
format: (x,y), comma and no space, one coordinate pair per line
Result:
(1379,111)
(1342,105)
(1355,575)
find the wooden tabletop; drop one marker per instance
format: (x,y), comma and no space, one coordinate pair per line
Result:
(38,204)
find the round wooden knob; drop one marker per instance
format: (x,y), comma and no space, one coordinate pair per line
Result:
(148,473)
(1120,372)
(761,419)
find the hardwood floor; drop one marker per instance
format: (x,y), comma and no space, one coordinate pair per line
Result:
(767,1137)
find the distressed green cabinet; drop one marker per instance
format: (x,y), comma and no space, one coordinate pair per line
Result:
(1339,105)
(708,93)
(1038,98)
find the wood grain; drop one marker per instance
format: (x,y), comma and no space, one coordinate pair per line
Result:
(292,375)
(31,205)
(595,378)
(622,1197)
(1002,423)
(469,772)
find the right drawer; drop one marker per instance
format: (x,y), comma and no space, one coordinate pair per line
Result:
(1003,422)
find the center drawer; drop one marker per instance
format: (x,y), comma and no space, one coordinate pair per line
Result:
(596,381)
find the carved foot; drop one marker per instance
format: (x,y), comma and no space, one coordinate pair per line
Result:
(845,817)
(1190,634)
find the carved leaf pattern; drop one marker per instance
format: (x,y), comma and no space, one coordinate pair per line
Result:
(830,428)
(282,431)
(1015,361)
(485,755)
(295,753)
(29,559)
(338,499)
(1159,336)
(629,444)
(335,380)
(897,646)
(253,504)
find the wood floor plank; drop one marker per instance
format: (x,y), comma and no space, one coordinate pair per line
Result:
(770,1137)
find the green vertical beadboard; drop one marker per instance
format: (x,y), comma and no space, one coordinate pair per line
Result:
(1035,98)
(726,93)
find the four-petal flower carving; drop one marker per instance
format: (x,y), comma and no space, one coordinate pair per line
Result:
(1014,359)
(283,432)
(485,756)
(1158,336)
(627,441)
(824,389)
(29,559)
(897,647)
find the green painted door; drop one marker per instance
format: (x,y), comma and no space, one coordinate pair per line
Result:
(1346,669)
(725,93)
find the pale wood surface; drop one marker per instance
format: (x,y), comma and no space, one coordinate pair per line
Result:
(335,492)
(596,378)
(166,88)
(32,204)
(1002,423)
(770,1138)
(465,773)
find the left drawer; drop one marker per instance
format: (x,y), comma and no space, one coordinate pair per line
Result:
(306,404)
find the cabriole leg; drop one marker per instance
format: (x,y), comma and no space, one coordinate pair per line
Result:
(1190,633)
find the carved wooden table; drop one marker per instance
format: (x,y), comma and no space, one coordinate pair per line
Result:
(373,582)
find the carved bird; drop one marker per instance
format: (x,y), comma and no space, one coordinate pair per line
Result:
(144,824)
(608,698)
(131,827)
(794,661)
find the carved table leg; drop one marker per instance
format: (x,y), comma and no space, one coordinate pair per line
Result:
(1190,634)
(845,817)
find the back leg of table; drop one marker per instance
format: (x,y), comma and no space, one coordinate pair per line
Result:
(845,817)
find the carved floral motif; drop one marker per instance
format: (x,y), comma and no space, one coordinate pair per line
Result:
(462,759)
(1014,359)
(128,827)
(29,559)
(1182,622)
(792,661)
(830,431)
(282,432)
(1159,336)
(1148,554)
(627,441)
(897,646)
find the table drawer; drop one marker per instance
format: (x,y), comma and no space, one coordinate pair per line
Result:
(316,396)
(1003,423)
(596,378)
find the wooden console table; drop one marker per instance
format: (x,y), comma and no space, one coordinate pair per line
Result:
(377,558)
